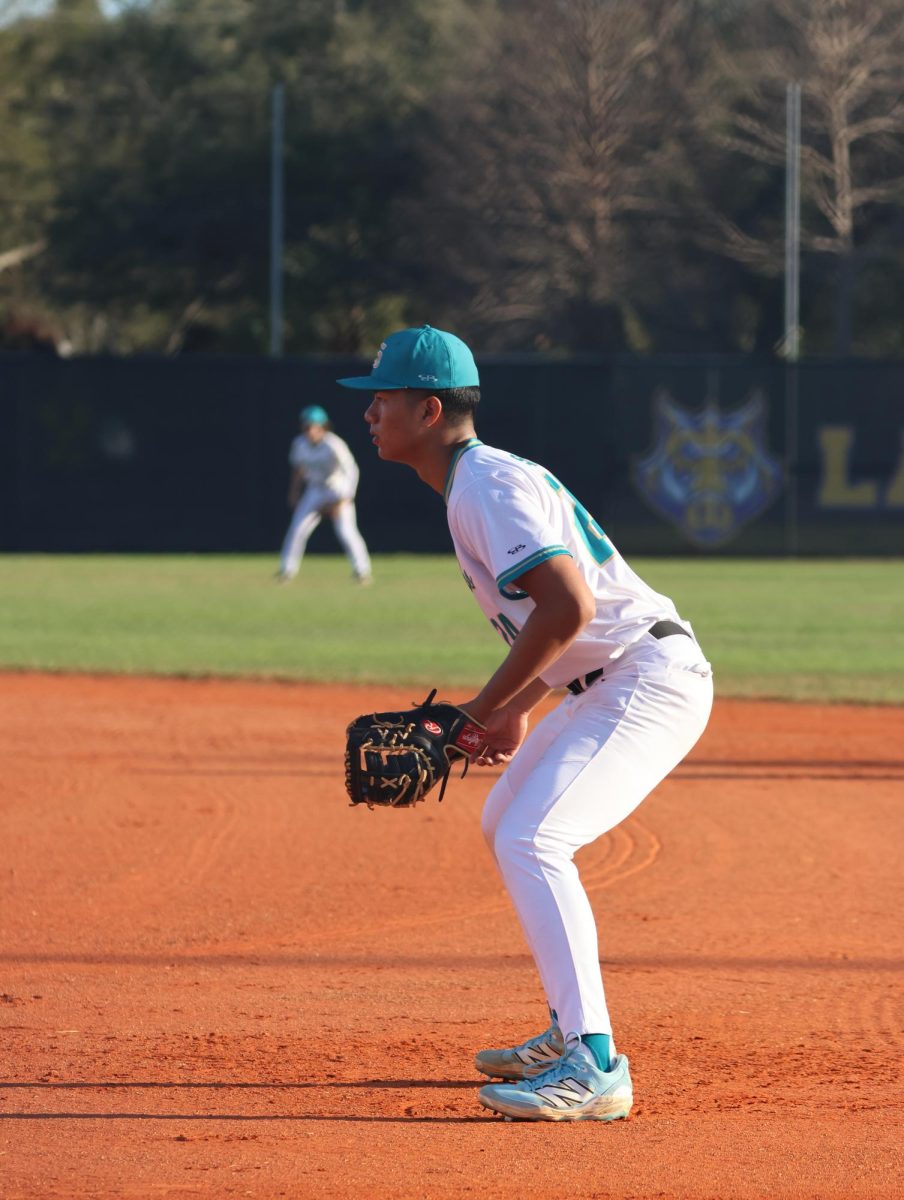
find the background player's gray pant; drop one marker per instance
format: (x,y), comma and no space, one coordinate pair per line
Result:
(307,516)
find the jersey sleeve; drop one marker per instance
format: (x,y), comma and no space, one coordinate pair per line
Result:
(346,465)
(296,452)
(507,526)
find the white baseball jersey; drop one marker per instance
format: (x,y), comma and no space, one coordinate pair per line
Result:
(327,464)
(507,515)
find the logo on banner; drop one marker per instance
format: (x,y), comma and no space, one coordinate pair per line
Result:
(709,472)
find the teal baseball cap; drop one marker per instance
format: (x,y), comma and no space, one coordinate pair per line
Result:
(419,358)
(313,415)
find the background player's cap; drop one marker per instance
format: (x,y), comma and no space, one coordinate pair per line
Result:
(313,415)
(419,358)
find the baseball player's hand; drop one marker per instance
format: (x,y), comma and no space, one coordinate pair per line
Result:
(506,730)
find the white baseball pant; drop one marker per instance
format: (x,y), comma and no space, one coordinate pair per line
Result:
(308,515)
(580,773)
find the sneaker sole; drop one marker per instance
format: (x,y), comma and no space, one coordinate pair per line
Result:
(616,1110)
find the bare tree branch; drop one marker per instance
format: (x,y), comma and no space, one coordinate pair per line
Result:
(20,254)
(847,55)
(558,146)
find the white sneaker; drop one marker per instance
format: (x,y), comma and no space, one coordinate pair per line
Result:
(575,1089)
(522,1062)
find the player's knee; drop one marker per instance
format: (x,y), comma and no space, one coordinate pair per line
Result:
(488,825)
(527,846)
(494,810)
(512,843)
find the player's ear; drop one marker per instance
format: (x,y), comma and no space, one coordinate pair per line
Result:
(432,409)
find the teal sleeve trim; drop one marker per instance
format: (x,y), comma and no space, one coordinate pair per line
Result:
(534,560)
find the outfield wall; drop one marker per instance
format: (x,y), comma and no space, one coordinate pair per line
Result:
(713,456)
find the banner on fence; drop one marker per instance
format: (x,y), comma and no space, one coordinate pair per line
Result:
(704,456)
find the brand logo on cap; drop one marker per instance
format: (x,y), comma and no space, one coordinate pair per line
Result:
(427,378)
(379,356)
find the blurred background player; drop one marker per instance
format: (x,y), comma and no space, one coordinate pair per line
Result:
(323,483)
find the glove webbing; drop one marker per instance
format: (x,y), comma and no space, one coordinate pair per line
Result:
(401,784)
(383,748)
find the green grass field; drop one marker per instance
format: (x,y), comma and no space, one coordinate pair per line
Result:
(806,630)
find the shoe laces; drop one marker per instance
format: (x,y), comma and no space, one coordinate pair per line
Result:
(558,1070)
(547,1036)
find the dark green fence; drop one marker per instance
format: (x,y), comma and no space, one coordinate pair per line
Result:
(672,456)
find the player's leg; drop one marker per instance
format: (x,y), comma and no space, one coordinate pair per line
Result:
(304,521)
(503,793)
(620,739)
(346,525)
(535,1053)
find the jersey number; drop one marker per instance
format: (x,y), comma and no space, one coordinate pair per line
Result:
(596,541)
(508,629)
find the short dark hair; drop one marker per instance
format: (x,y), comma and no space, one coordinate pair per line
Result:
(458,403)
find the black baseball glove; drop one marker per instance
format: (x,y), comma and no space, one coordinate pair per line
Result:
(393,759)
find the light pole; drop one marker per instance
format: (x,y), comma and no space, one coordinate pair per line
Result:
(791,342)
(276,219)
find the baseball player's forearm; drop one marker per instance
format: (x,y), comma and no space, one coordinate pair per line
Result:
(506,728)
(563,606)
(544,638)
(528,698)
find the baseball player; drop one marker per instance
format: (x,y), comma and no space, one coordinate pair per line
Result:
(637,696)
(323,483)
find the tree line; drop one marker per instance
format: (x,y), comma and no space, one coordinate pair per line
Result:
(563,176)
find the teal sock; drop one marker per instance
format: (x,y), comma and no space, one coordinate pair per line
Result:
(600,1046)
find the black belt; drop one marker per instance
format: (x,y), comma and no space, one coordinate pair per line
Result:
(581,685)
(662,629)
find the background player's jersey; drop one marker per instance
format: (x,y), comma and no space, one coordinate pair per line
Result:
(507,515)
(328,464)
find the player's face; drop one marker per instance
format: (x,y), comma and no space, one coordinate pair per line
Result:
(394,425)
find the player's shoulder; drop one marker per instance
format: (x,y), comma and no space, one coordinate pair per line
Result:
(333,440)
(479,459)
(485,477)
(487,464)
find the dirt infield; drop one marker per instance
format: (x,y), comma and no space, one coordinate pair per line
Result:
(217,979)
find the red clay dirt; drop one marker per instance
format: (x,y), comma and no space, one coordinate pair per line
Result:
(217,979)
